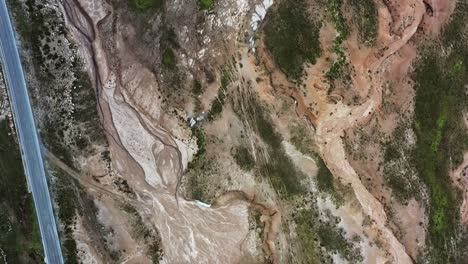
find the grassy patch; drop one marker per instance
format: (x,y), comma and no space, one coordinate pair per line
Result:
(21,19)
(36,240)
(22,23)
(243,158)
(198,168)
(169,60)
(283,174)
(218,103)
(307,239)
(141,231)
(144,5)
(439,103)
(68,128)
(336,70)
(399,171)
(301,140)
(206,4)
(458,67)
(198,184)
(326,182)
(441,136)
(72,201)
(20,239)
(89,132)
(365,14)
(168,43)
(197,88)
(313,234)
(292,37)
(66,196)
(334,7)
(332,238)
(278,167)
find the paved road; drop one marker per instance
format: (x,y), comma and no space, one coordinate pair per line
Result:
(28,138)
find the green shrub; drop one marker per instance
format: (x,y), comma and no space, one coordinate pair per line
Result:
(197,88)
(440,101)
(292,37)
(206,4)
(284,176)
(301,140)
(334,7)
(244,159)
(20,239)
(218,103)
(365,13)
(143,5)
(325,180)
(169,59)
(399,171)
(313,234)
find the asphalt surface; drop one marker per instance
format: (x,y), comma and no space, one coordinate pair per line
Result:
(28,137)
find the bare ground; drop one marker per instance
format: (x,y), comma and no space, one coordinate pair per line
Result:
(150,148)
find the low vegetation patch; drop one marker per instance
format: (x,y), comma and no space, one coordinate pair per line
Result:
(243,158)
(72,201)
(334,7)
(197,88)
(399,170)
(70,125)
(144,5)
(277,167)
(168,46)
(143,232)
(20,240)
(365,14)
(307,239)
(206,4)
(314,234)
(441,99)
(200,170)
(301,140)
(218,103)
(169,59)
(333,239)
(292,37)
(325,180)
(66,197)
(327,183)
(458,67)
